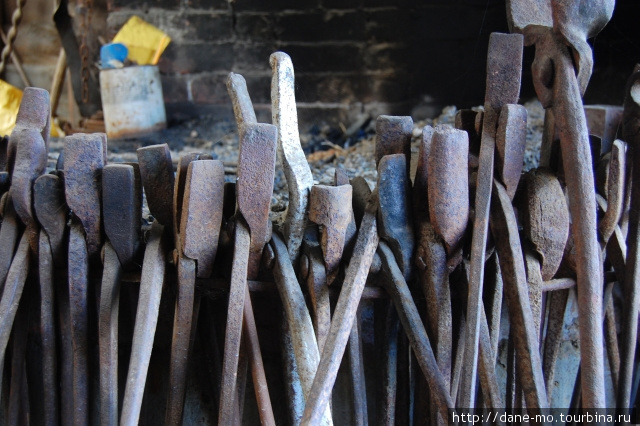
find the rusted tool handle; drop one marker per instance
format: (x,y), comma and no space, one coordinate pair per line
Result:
(48,331)
(151,282)
(303,338)
(576,154)
(79,314)
(233,331)
(8,238)
(240,99)
(108,336)
(12,293)
(504,65)
(180,340)
(294,163)
(399,292)
(313,270)
(83,162)
(265,410)
(505,233)
(344,315)
(630,130)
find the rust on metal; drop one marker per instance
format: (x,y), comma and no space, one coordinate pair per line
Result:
(330,206)
(546,222)
(48,331)
(615,191)
(631,283)
(83,164)
(305,346)
(449,185)
(394,215)
(294,163)
(510,145)
(265,411)
(240,99)
(505,233)
(233,330)
(8,238)
(603,121)
(398,290)
(393,136)
(156,170)
(420,182)
(504,65)
(12,292)
(151,281)
(254,186)
(51,210)
(344,315)
(122,208)
(79,319)
(108,335)
(202,213)
(30,162)
(34,114)
(180,342)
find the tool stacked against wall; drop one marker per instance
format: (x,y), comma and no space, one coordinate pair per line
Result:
(70,237)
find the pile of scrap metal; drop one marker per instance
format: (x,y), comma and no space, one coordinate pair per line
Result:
(427,238)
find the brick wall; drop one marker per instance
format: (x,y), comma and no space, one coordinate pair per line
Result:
(350,56)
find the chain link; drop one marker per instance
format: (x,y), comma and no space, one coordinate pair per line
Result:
(85,25)
(11,35)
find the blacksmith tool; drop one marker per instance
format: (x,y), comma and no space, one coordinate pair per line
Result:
(560,77)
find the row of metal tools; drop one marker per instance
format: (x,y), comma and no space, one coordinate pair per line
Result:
(71,237)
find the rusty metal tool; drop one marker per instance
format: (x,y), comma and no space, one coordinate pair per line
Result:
(398,290)
(510,145)
(158,179)
(245,116)
(614,192)
(151,282)
(83,163)
(603,121)
(256,169)
(560,77)
(197,243)
(344,314)
(330,206)
(156,172)
(8,237)
(393,136)
(51,211)
(631,287)
(505,232)
(394,225)
(294,163)
(504,64)
(122,208)
(305,346)
(442,164)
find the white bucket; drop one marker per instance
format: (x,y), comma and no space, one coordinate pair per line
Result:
(132,101)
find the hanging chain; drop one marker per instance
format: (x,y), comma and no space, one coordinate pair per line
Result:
(11,36)
(85,25)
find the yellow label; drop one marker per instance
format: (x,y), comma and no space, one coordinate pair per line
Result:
(10,98)
(144,41)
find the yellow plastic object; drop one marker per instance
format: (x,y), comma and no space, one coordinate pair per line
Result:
(10,98)
(144,41)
